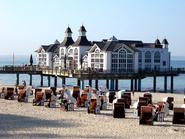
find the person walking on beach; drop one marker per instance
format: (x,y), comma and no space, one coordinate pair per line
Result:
(24,83)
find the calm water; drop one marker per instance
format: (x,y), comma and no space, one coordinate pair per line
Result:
(147,83)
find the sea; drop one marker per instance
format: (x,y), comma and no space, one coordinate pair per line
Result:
(146,84)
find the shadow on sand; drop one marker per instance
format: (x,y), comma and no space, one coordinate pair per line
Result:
(9,123)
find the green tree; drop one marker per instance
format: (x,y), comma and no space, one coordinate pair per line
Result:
(31,60)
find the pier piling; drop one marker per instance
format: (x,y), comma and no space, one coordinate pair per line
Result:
(107,84)
(172,84)
(139,85)
(112,84)
(41,80)
(17,79)
(96,84)
(63,81)
(165,84)
(30,79)
(154,84)
(49,81)
(135,85)
(55,81)
(132,85)
(90,83)
(79,83)
(116,85)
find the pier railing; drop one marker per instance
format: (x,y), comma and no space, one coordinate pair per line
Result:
(89,72)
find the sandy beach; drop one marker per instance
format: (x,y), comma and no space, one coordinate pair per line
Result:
(22,120)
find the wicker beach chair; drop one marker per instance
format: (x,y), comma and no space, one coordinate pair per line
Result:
(111,96)
(170,102)
(92,106)
(127,100)
(9,94)
(47,94)
(179,116)
(83,99)
(143,101)
(21,94)
(3,91)
(38,101)
(146,117)
(53,89)
(129,97)
(149,96)
(119,110)
(76,92)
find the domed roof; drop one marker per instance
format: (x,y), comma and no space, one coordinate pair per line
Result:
(82,29)
(165,41)
(68,30)
(157,42)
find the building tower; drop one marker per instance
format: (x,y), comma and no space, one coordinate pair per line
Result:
(68,40)
(165,43)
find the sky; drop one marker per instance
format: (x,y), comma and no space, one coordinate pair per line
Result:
(25,25)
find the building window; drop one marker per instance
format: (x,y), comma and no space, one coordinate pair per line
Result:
(97,59)
(76,51)
(97,50)
(62,52)
(147,57)
(164,63)
(157,57)
(140,57)
(70,52)
(92,55)
(122,61)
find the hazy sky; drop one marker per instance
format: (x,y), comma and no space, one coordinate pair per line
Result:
(26,24)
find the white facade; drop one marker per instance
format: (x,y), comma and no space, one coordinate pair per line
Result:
(160,59)
(44,58)
(108,55)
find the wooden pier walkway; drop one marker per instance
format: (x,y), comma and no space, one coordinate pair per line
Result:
(110,77)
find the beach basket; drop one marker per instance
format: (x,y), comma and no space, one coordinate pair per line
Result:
(128,94)
(83,99)
(149,96)
(170,102)
(119,110)
(179,116)
(146,116)
(9,93)
(111,96)
(92,106)
(21,94)
(143,101)
(76,92)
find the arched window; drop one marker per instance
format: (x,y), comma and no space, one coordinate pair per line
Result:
(97,50)
(122,53)
(157,57)
(122,60)
(70,52)
(148,57)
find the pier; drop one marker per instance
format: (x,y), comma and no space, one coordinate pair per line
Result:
(112,78)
